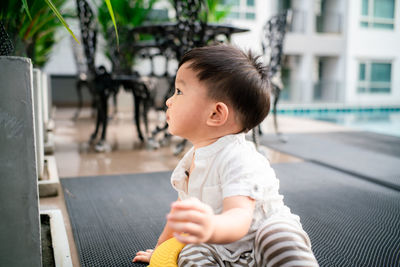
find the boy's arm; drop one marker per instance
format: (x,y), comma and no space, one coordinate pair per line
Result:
(166,234)
(199,223)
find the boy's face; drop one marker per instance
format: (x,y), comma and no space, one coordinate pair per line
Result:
(189,107)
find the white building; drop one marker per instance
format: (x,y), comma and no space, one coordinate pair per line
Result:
(336,51)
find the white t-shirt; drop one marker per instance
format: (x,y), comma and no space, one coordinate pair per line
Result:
(232,166)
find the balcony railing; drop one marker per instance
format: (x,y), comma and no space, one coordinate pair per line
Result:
(293,91)
(329,22)
(306,92)
(298,21)
(326,91)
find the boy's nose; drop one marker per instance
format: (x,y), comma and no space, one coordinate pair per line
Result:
(168,102)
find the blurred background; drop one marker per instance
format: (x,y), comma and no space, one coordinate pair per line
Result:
(338,56)
(333,61)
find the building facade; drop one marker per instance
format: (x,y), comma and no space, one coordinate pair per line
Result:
(336,51)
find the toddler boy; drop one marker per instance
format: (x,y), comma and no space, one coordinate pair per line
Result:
(229,207)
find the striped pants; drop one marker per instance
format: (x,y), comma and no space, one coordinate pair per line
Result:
(277,243)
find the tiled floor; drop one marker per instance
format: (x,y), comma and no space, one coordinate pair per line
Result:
(75,157)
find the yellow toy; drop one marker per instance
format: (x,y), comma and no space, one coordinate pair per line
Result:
(166,254)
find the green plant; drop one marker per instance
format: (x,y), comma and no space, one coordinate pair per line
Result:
(33,33)
(128,14)
(216,11)
(32,24)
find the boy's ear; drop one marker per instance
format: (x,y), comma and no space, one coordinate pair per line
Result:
(219,114)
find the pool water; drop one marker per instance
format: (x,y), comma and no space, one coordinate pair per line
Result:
(379,121)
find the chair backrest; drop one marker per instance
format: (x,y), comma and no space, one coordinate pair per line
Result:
(6,46)
(188,34)
(272,42)
(191,27)
(80,59)
(88,27)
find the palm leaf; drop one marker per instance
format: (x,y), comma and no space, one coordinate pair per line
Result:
(25,5)
(54,9)
(43,24)
(110,9)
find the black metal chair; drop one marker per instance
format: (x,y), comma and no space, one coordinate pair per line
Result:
(272,44)
(188,33)
(84,54)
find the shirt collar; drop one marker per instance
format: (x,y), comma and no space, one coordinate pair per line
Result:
(207,151)
(178,175)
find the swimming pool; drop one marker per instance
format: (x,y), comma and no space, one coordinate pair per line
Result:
(384,121)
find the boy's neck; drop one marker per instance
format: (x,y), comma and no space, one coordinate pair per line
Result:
(205,142)
(211,139)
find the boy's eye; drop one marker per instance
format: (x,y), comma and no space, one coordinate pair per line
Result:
(178,92)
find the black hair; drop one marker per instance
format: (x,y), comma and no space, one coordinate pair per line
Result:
(234,76)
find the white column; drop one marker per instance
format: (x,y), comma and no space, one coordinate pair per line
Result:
(45,104)
(38,110)
(306,77)
(309,7)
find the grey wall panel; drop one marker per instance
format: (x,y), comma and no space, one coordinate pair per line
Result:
(19,209)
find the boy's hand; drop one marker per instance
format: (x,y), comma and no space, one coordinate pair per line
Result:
(193,218)
(143,256)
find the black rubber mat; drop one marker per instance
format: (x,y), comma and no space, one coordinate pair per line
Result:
(370,156)
(113,217)
(351,222)
(374,142)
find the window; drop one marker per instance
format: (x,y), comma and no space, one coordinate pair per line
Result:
(374,77)
(241,9)
(284,5)
(328,17)
(250,2)
(377,14)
